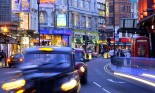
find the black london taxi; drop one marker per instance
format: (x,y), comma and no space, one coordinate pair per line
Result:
(81,64)
(46,70)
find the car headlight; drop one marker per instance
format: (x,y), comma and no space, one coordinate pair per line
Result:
(82,69)
(14,84)
(69,85)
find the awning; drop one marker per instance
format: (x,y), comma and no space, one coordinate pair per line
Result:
(132,30)
(124,40)
(10,40)
(147,19)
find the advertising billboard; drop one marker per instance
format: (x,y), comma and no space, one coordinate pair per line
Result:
(46,3)
(21,5)
(61,20)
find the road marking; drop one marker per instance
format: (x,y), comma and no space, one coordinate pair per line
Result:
(13,72)
(98,71)
(97,84)
(106,69)
(115,81)
(105,90)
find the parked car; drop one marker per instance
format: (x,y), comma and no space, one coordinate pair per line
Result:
(81,64)
(46,70)
(15,60)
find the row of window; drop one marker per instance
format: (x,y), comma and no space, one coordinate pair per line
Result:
(76,21)
(82,4)
(123,9)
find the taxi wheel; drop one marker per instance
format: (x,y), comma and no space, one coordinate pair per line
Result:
(9,66)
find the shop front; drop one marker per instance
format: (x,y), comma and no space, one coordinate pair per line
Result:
(79,39)
(55,37)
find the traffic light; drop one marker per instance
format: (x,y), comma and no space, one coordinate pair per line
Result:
(86,39)
(108,40)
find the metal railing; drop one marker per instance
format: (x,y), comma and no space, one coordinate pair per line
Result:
(134,62)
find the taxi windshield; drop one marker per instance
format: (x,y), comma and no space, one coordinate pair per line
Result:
(79,56)
(44,58)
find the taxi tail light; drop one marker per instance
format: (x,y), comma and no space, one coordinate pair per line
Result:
(8,60)
(21,59)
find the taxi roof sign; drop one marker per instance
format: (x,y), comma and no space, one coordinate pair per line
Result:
(46,49)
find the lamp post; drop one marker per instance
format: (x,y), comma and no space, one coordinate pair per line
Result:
(5,31)
(38,2)
(114,24)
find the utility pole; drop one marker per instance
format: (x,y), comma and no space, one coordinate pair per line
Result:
(68,17)
(114,25)
(38,2)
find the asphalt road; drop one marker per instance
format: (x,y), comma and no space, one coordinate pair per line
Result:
(99,81)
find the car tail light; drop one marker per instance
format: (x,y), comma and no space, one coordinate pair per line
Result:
(8,60)
(21,60)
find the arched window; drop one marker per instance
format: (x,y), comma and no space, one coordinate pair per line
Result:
(43,17)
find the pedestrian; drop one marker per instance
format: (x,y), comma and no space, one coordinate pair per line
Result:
(3,57)
(111,52)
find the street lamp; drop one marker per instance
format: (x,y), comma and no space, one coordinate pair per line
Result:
(114,25)
(5,30)
(38,2)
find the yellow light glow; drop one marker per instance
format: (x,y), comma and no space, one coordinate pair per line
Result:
(20,91)
(21,60)
(13,85)
(69,85)
(135,78)
(82,69)
(21,14)
(4,29)
(46,49)
(148,75)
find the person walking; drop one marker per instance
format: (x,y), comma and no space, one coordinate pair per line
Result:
(3,58)
(111,52)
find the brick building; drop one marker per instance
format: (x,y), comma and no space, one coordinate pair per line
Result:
(122,9)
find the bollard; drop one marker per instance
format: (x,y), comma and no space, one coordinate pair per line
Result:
(90,56)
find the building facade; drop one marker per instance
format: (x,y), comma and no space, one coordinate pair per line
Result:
(5,10)
(146,11)
(134,8)
(60,23)
(117,9)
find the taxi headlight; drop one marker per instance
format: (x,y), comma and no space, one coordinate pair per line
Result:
(69,85)
(82,69)
(14,84)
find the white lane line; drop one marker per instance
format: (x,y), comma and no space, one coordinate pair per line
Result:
(97,84)
(105,90)
(106,69)
(115,81)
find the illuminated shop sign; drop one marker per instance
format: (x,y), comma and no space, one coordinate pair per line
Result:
(21,5)
(46,3)
(25,40)
(61,20)
(56,31)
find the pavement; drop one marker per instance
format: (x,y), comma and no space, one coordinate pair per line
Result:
(144,75)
